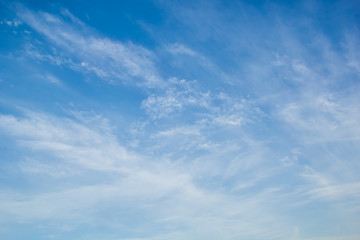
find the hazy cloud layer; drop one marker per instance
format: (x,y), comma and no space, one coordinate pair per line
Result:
(230,121)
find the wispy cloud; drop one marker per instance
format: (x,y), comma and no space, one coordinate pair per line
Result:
(178,48)
(54,80)
(324,118)
(110,60)
(244,125)
(327,187)
(147,185)
(179,95)
(183,96)
(68,140)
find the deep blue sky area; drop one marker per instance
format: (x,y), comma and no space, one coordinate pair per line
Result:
(152,120)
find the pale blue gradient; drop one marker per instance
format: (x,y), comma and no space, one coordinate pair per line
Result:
(151,120)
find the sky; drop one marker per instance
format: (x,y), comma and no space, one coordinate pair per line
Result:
(152,120)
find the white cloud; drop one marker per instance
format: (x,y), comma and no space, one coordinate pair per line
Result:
(69,140)
(178,48)
(54,80)
(327,187)
(166,192)
(339,192)
(14,23)
(111,60)
(324,118)
(179,95)
(351,45)
(207,164)
(191,130)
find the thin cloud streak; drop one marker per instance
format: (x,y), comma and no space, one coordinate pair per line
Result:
(110,60)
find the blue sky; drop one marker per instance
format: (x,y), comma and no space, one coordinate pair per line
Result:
(151,120)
